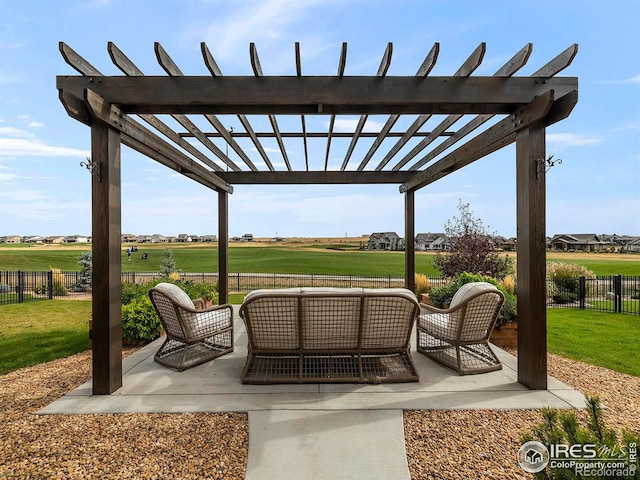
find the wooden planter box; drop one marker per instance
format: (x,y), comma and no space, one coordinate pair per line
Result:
(505,335)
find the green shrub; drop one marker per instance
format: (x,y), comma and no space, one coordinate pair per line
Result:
(4,288)
(564,297)
(563,428)
(442,296)
(565,276)
(133,291)
(140,323)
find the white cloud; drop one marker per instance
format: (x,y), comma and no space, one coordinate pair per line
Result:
(573,140)
(35,124)
(635,79)
(15,133)
(7,177)
(253,22)
(23,148)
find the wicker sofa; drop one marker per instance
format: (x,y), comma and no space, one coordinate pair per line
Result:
(329,335)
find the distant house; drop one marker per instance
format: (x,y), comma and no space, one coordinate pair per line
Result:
(54,239)
(34,239)
(183,237)
(385,241)
(75,239)
(585,242)
(128,238)
(209,238)
(144,239)
(12,239)
(235,239)
(277,239)
(247,237)
(432,242)
(633,246)
(157,238)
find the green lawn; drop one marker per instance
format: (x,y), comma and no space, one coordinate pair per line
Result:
(274,259)
(610,340)
(40,331)
(241,259)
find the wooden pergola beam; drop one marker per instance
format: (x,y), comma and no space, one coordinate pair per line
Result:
(314,177)
(496,137)
(111,115)
(313,95)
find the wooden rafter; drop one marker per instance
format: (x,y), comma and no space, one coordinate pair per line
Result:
(382,71)
(466,69)
(514,64)
(424,70)
(137,137)
(215,71)
(257,70)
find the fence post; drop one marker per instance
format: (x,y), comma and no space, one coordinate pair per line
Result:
(617,290)
(50,284)
(20,286)
(389,282)
(582,291)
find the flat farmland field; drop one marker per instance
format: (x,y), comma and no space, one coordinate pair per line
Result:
(330,256)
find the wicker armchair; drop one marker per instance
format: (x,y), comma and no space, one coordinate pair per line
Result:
(193,336)
(458,337)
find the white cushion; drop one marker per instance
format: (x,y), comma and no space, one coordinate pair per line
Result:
(175,293)
(470,289)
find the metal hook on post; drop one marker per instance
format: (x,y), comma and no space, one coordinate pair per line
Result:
(543,165)
(94,167)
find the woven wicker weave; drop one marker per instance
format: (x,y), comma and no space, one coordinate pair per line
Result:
(193,336)
(329,335)
(458,337)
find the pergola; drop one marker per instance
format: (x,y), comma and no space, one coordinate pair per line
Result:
(114,105)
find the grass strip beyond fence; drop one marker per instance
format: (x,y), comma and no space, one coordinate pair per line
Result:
(608,340)
(41,331)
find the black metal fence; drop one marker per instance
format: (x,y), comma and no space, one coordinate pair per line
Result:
(615,293)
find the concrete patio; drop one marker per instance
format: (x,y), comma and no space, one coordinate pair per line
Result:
(314,431)
(215,387)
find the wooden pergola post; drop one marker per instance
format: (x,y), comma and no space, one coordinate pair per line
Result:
(409,244)
(531,248)
(106,216)
(223,247)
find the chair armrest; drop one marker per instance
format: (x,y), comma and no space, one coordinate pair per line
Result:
(204,310)
(432,309)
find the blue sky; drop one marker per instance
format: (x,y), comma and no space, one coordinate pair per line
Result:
(44,191)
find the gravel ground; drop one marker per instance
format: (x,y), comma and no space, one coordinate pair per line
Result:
(440,444)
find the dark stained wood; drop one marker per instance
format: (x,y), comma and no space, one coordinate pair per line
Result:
(467,68)
(559,63)
(409,235)
(216,72)
(315,134)
(121,61)
(424,70)
(492,139)
(76,61)
(302,120)
(382,71)
(106,286)
(314,177)
(223,247)
(169,66)
(341,66)
(531,249)
(111,115)
(257,70)
(514,64)
(296,95)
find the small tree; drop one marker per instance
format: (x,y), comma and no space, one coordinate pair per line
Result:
(86,270)
(472,248)
(168,263)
